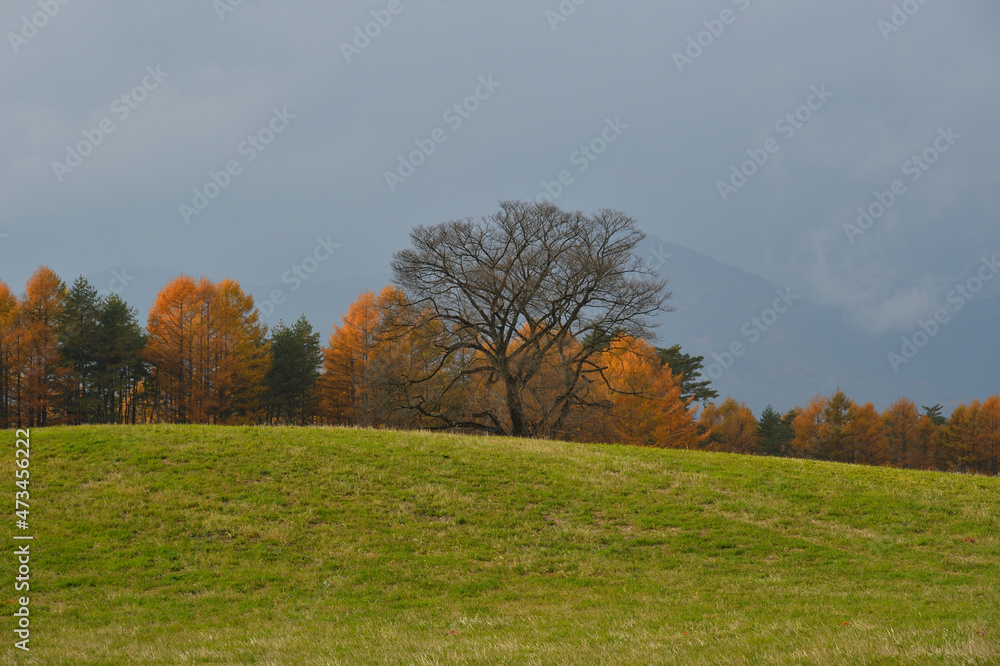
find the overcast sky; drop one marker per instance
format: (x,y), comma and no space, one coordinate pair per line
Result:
(114,113)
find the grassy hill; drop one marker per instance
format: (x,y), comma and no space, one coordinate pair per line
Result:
(321,546)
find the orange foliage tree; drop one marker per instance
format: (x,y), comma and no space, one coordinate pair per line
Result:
(869,443)
(382,367)
(635,399)
(40,309)
(730,427)
(908,443)
(173,330)
(208,351)
(10,358)
(822,430)
(957,439)
(347,382)
(988,436)
(238,360)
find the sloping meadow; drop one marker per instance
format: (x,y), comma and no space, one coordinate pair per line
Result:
(198,544)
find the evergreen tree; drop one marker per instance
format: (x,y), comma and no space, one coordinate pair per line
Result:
(119,370)
(296,356)
(774,433)
(934,414)
(78,330)
(689,368)
(838,444)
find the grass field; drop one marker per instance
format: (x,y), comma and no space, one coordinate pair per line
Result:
(320,546)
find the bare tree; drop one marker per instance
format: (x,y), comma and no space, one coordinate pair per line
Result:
(523,286)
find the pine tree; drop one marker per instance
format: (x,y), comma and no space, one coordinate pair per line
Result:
(689,368)
(296,356)
(78,330)
(119,371)
(839,445)
(774,433)
(934,414)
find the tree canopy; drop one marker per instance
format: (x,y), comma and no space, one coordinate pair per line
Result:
(523,286)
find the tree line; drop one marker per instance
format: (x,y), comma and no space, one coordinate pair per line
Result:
(70,356)
(531,322)
(838,429)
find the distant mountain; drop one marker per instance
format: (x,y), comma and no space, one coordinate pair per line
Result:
(763,343)
(788,357)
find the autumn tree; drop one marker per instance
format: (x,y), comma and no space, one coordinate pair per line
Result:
(41,310)
(822,430)
(988,437)
(10,358)
(347,378)
(238,355)
(957,438)
(634,399)
(907,448)
(869,443)
(381,368)
(730,427)
(208,351)
(173,333)
(518,285)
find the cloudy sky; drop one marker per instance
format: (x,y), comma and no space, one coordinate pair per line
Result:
(228,138)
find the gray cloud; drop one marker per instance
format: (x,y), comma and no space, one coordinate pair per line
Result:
(325,175)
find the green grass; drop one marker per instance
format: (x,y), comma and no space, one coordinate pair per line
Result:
(321,546)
